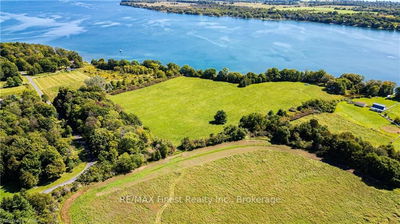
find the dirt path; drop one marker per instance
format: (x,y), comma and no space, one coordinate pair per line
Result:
(171,195)
(33,84)
(183,160)
(70,181)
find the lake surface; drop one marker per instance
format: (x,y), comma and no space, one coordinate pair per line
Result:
(101,29)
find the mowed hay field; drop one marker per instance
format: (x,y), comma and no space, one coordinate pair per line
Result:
(182,107)
(361,122)
(205,186)
(51,82)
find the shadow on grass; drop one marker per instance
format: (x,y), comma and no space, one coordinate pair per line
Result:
(10,187)
(213,122)
(368,180)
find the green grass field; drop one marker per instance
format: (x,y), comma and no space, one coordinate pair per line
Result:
(49,83)
(362,122)
(184,106)
(394,106)
(205,186)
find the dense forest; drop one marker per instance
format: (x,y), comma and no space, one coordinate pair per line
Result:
(116,139)
(361,19)
(33,59)
(36,147)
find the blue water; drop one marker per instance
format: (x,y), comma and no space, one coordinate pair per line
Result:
(101,28)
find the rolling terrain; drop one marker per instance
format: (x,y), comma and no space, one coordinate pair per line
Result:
(183,107)
(361,122)
(295,185)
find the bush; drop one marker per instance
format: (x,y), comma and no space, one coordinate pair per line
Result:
(220,117)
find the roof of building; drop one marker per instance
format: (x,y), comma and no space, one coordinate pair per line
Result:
(360,104)
(378,105)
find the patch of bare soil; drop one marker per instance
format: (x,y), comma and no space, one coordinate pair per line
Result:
(391,129)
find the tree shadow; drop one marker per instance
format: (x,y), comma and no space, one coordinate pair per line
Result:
(213,122)
(368,180)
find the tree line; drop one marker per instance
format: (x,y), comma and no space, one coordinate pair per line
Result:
(135,74)
(346,84)
(381,163)
(360,19)
(33,59)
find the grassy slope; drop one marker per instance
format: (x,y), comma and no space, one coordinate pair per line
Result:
(49,83)
(308,191)
(393,112)
(361,121)
(184,106)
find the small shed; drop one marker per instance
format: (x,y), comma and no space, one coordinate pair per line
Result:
(360,104)
(378,107)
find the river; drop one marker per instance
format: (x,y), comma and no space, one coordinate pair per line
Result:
(104,29)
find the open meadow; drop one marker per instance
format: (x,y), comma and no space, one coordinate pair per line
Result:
(49,83)
(208,186)
(183,107)
(361,122)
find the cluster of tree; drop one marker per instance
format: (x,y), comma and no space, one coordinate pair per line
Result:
(34,58)
(34,143)
(353,84)
(116,139)
(362,19)
(149,71)
(29,208)
(229,134)
(318,105)
(346,84)
(381,163)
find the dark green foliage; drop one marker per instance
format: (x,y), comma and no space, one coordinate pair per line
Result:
(7,69)
(116,139)
(13,81)
(230,133)
(33,208)
(162,149)
(220,117)
(319,105)
(397,94)
(33,148)
(34,59)
(188,71)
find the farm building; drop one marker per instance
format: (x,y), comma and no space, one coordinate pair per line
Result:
(378,107)
(360,104)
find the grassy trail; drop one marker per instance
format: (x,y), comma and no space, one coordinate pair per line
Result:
(311,191)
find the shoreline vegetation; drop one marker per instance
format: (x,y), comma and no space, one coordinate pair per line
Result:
(384,16)
(38,137)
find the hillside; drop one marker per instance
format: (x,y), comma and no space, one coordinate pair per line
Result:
(361,122)
(183,107)
(296,186)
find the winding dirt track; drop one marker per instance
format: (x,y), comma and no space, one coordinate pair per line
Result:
(189,159)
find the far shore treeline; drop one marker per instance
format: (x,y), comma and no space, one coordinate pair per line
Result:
(377,16)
